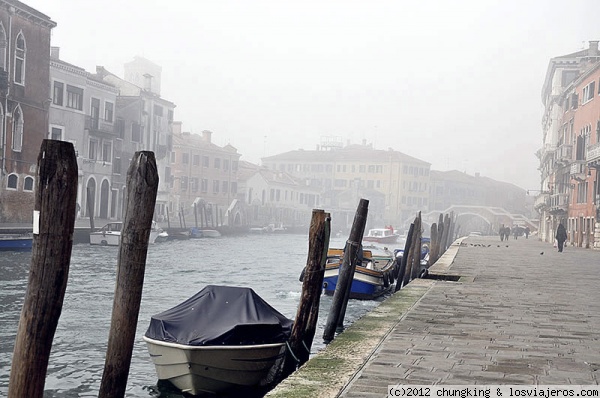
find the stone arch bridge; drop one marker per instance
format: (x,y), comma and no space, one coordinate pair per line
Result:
(483,219)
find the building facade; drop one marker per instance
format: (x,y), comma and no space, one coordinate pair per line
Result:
(144,119)
(202,173)
(568,160)
(83,112)
(24,77)
(402,180)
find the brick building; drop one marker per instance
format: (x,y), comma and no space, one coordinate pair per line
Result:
(24,93)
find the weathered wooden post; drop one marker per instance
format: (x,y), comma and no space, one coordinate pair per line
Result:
(195,215)
(416,267)
(433,239)
(142,185)
(307,315)
(90,201)
(53,226)
(168,220)
(346,273)
(444,244)
(402,274)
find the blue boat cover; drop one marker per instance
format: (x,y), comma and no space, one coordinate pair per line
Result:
(221,315)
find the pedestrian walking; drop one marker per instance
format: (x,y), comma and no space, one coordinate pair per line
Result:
(527,231)
(561,237)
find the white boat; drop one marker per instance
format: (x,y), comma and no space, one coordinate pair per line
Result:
(221,339)
(381,235)
(110,234)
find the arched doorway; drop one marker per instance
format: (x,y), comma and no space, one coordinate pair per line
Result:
(90,201)
(104,198)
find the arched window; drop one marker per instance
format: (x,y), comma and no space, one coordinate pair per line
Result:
(28,184)
(20,53)
(3,46)
(17,138)
(12,181)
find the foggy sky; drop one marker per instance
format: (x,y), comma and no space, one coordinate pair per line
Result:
(455,83)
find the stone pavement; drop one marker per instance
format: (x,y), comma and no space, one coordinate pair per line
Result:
(521,313)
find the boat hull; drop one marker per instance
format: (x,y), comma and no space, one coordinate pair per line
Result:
(214,369)
(113,238)
(365,286)
(17,244)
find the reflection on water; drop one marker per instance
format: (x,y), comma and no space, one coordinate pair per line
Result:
(270,264)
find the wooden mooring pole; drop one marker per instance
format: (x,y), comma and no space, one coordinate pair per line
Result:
(305,323)
(142,186)
(90,201)
(54,223)
(346,272)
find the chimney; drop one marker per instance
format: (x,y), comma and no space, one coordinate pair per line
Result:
(206,135)
(55,52)
(593,50)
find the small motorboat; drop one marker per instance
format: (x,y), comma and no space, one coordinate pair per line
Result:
(221,339)
(110,234)
(381,235)
(373,276)
(16,242)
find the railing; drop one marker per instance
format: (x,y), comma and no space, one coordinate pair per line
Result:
(577,167)
(559,201)
(541,201)
(593,152)
(99,125)
(564,153)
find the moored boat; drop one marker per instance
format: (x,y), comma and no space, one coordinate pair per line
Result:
(110,234)
(373,276)
(381,235)
(15,242)
(223,338)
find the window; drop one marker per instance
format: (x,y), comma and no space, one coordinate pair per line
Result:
(588,92)
(56,133)
(74,97)
(215,186)
(217,163)
(225,164)
(93,149)
(120,128)
(3,45)
(107,151)
(108,111)
(233,187)
(158,110)
(58,93)
(17,143)
(28,184)
(12,181)
(184,183)
(225,186)
(173,157)
(136,132)
(204,185)
(170,115)
(196,160)
(20,51)
(117,165)
(185,159)
(205,161)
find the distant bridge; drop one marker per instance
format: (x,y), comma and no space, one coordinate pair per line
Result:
(490,218)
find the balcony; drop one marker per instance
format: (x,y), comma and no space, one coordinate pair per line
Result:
(592,155)
(564,154)
(558,203)
(578,169)
(99,126)
(541,201)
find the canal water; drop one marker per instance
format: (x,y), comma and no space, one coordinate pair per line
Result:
(269,264)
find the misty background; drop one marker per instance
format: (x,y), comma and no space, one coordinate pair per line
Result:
(457,84)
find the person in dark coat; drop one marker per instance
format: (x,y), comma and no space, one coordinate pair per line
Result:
(527,232)
(561,237)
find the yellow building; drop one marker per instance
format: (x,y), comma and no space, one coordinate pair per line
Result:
(362,171)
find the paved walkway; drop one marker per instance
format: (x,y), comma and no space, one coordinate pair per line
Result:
(522,313)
